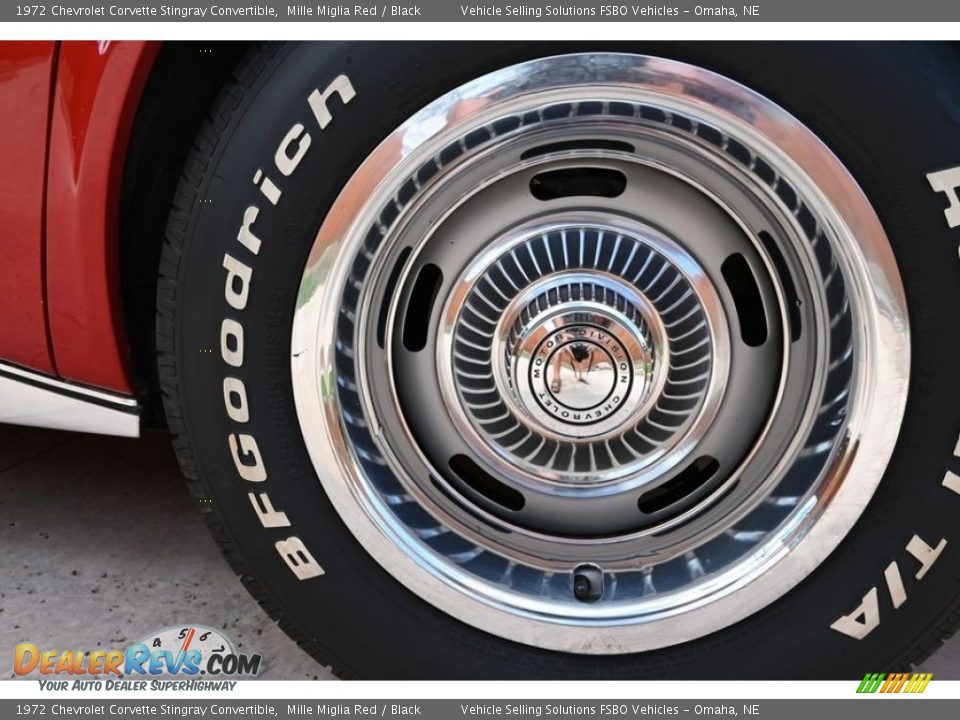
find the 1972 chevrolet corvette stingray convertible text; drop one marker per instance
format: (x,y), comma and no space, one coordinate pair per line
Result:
(516,359)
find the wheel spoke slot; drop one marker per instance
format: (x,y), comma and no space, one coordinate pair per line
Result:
(690,479)
(578,182)
(746,298)
(416,319)
(482,482)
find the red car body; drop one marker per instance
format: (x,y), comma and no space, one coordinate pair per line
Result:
(66,113)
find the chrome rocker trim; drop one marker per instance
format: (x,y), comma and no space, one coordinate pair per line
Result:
(29,398)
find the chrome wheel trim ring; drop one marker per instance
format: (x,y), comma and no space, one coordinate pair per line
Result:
(858,452)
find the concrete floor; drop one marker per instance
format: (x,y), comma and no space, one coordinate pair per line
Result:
(102,546)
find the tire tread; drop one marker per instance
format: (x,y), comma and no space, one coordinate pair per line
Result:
(182,216)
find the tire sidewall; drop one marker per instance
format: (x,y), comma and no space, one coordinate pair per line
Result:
(852,96)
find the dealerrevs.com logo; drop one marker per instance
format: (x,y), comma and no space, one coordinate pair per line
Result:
(184,651)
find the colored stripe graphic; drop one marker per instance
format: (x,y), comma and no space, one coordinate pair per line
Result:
(894,683)
(871,682)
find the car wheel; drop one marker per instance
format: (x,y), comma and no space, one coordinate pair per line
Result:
(550,361)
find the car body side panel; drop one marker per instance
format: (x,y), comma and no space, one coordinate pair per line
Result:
(98,86)
(25,77)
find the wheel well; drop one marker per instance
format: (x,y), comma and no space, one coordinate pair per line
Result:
(182,86)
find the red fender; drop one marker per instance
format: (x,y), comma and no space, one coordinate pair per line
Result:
(98,86)
(26,72)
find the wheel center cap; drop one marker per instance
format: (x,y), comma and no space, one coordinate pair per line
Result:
(579,369)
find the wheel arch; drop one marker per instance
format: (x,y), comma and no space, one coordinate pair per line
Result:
(183,84)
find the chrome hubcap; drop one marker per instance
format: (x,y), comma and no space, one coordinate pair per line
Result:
(576,348)
(600,353)
(576,354)
(575,373)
